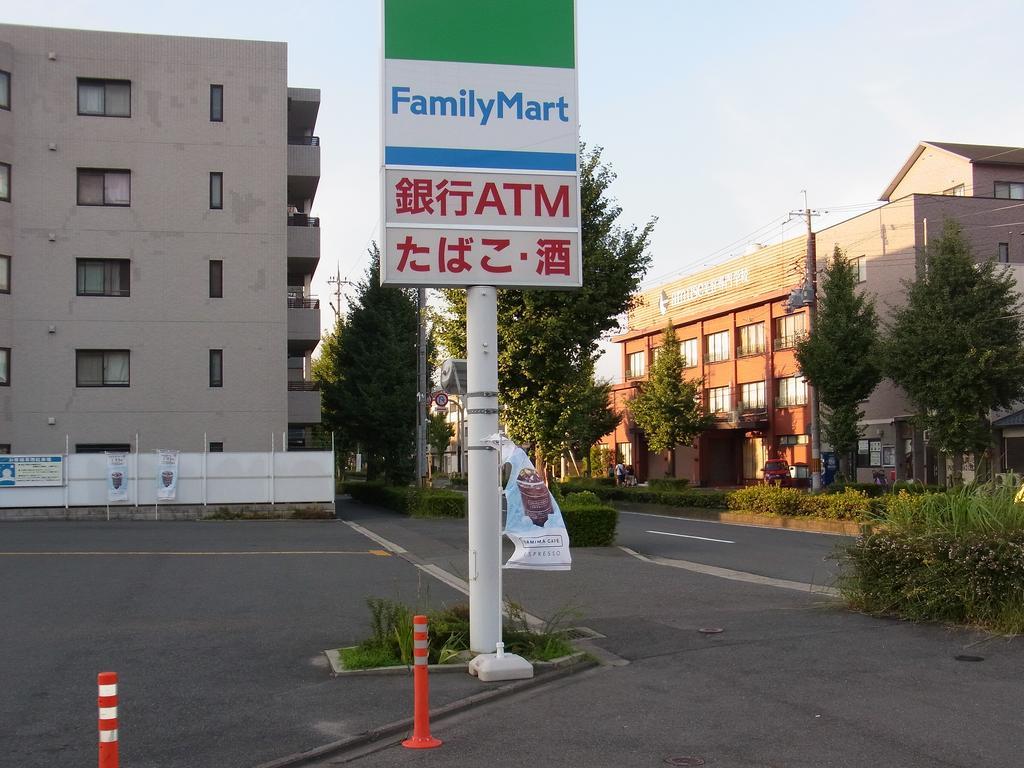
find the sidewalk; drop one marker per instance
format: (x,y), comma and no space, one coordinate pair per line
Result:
(791,680)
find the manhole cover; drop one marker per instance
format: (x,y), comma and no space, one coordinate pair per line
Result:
(968,657)
(707,631)
(684,761)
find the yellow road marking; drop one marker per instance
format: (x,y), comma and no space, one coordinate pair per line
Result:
(377,552)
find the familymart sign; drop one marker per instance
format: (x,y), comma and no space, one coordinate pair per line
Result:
(480,150)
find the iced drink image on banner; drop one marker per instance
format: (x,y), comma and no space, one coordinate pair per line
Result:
(535,495)
(116,479)
(167,476)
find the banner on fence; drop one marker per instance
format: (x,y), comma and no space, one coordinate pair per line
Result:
(117,476)
(166,475)
(533,521)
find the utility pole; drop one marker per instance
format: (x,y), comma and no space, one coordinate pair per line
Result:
(422,393)
(810,300)
(337,282)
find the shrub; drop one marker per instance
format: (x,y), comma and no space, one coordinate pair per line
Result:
(913,486)
(380,495)
(848,505)
(982,509)
(432,502)
(768,499)
(868,489)
(975,578)
(668,484)
(588,522)
(692,497)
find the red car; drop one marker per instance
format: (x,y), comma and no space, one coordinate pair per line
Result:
(776,471)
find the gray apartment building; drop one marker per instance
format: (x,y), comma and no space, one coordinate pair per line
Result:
(156,248)
(980,187)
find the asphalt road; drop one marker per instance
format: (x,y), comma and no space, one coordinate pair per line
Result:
(215,629)
(778,553)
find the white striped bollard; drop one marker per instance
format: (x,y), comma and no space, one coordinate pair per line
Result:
(421,738)
(107,702)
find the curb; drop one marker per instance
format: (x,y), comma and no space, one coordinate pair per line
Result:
(339,671)
(401,727)
(811,525)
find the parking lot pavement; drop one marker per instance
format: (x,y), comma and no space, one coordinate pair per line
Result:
(215,629)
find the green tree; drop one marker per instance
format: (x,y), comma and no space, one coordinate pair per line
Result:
(439,433)
(588,416)
(548,340)
(840,358)
(957,346)
(669,408)
(367,376)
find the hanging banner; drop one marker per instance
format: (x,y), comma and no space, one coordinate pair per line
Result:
(117,476)
(25,471)
(166,475)
(533,521)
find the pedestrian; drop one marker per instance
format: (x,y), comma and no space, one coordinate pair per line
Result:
(630,477)
(611,471)
(620,474)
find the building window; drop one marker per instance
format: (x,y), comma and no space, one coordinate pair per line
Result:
(5,449)
(791,391)
(5,182)
(216,279)
(718,399)
(635,365)
(5,274)
(216,367)
(789,330)
(624,453)
(957,191)
(751,339)
(688,351)
(869,453)
(102,448)
(753,396)
(1003,255)
(862,269)
(217,447)
(888,455)
(5,89)
(97,186)
(787,441)
(216,103)
(716,347)
(103,277)
(5,366)
(216,190)
(105,98)
(102,367)
(1010,190)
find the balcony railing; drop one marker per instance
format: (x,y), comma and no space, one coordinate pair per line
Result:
(785,402)
(754,349)
(308,141)
(303,220)
(716,356)
(303,302)
(788,342)
(303,386)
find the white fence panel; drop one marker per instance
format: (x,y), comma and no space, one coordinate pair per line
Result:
(211,478)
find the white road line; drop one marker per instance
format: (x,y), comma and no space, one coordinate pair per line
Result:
(732,523)
(728,573)
(686,536)
(390,546)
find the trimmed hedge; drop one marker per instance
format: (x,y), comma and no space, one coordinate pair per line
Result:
(415,502)
(974,579)
(640,495)
(668,484)
(588,522)
(848,504)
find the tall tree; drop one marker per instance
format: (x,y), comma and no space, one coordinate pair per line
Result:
(367,374)
(588,417)
(439,434)
(957,346)
(840,358)
(547,340)
(669,408)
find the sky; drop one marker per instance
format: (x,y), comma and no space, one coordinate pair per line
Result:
(715,116)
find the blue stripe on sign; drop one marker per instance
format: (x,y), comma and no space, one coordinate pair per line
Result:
(480,158)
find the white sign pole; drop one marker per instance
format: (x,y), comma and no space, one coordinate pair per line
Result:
(484,512)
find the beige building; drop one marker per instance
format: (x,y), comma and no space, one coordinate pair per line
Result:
(978,187)
(150,282)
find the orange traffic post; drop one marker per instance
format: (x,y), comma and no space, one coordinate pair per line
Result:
(107,702)
(421,738)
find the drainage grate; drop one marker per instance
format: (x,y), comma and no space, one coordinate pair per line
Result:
(968,657)
(582,633)
(684,761)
